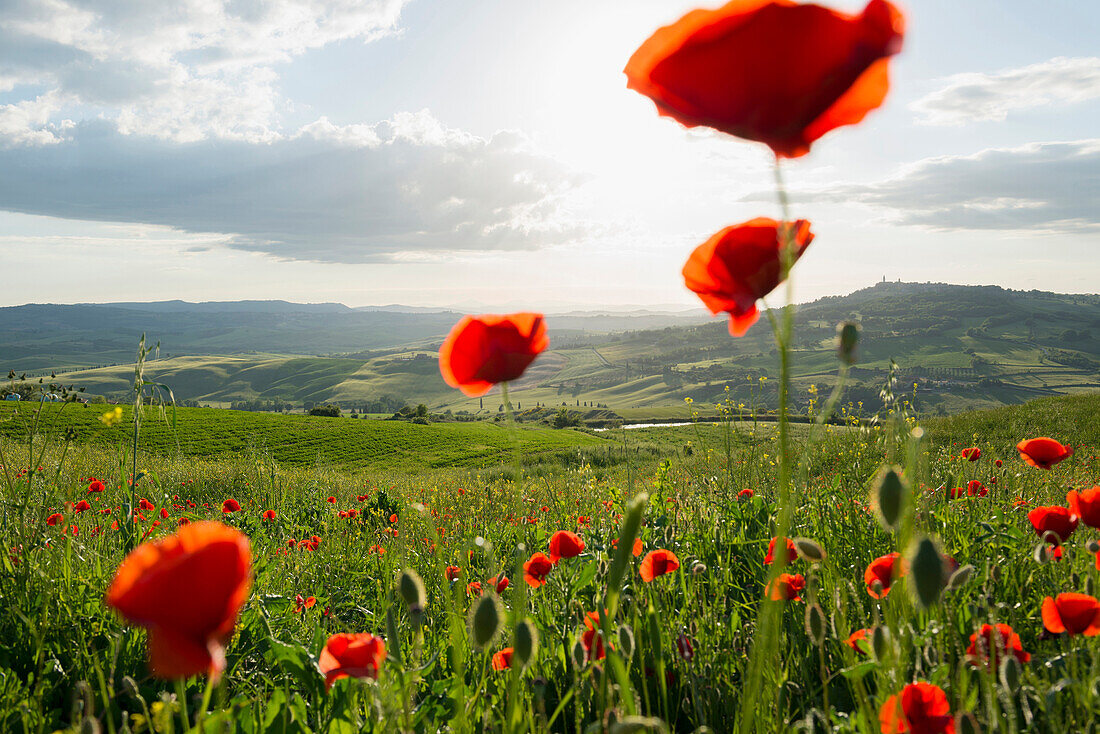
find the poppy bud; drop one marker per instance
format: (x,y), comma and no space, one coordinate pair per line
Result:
(130,686)
(847,338)
(626,641)
(1010,673)
(411,588)
(960,577)
(926,572)
(527,643)
(1089,586)
(580,654)
(416,615)
(815,624)
(881,643)
(809,550)
(485,619)
(1042,553)
(888,496)
(1093,547)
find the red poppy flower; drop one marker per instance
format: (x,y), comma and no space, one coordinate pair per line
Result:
(1059,520)
(536,569)
(231,505)
(502,660)
(777,72)
(186,589)
(995,641)
(882,570)
(81,506)
(921,708)
(792,554)
(658,563)
(1043,452)
(473,588)
(747,494)
(183,521)
(500,583)
(483,350)
(146,505)
(787,587)
(55,519)
(592,640)
(974,488)
(269,514)
(453,572)
(971,454)
(356,655)
(857,637)
(998,463)
(1073,613)
(565,544)
(740,265)
(96,486)
(1086,505)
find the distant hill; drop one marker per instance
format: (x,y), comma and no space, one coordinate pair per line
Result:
(963,346)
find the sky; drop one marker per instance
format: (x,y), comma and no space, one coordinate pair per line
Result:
(488,156)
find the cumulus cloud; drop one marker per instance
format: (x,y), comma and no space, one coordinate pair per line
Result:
(183,70)
(973,97)
(1050,187)
(326,193)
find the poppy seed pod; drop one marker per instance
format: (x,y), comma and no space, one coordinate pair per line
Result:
(809,550)
(847,339)
(130,686)
(888,496)
(926,572)
(1042,553)
(411,588)
(1093,547)
(698,569)
(580,654)
(89,726)
(626,641)
(485,620)
(527,643)
(815,624)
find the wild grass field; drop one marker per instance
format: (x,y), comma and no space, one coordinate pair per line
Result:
(672,653)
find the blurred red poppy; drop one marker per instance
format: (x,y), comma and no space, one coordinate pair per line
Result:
(453,572)
(740,265)
(881,570)
(186,589)
(565,544)
(231,505)
(747,494)
(859,640)
(777,72)
(473,588)
(482,351)
(55,519)
(989,644)
(96,486)
(356,655)
(921,708)
(81,506)
(1075,614)
(1086,505)
(971,454)
(974,488)
(502,660)
(536,569)
(1043,452)
(658,563)
(787,587)
(500,583)
(592,639)
(146,505)
(792,554)
(269,514)
(1058,520)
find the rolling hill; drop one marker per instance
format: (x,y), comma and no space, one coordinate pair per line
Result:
(962,346)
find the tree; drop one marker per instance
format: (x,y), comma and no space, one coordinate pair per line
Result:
(328,410)
(421,411)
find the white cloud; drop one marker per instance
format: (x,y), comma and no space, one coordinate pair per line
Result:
(181,70)
(974,97)
(326,193)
